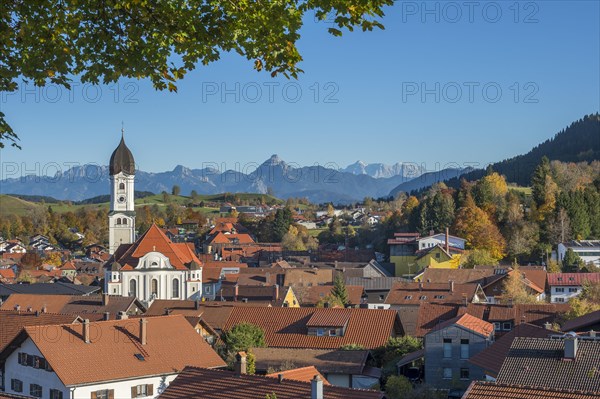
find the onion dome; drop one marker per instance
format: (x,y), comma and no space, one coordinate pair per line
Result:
(121,160)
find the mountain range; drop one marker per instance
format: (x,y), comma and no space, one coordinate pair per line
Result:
(317,183)
(578,142)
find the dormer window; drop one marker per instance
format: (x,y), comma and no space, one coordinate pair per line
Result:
(408,297)
(423,297)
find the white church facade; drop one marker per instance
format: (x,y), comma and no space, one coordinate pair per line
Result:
(151,267)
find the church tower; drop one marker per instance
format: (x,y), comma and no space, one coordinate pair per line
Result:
(121,218)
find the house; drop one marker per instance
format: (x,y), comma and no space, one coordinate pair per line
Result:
(563,362)
(505,318)
(408,248)
(345,368)
(376,288)
(487,390)
(13,247)
(405,294)
(587,250)
(154,267)
(271,294)
(219,384)
(588,322)
(311,296)
(448,348)
(564,286)
(319,328)
(490,360)
(532,277)
(7,276)
(95,307)
(68,269)
(106,359)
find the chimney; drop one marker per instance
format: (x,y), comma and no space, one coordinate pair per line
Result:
(143,331)
(106,316)
(592,334)
(451,283)
(236,292)
(420,285)
(86,331)
(122,315)
(44,309)
(316,388)
(240,363)
(196,304)
(276,292)
(18,308)
(570,348)
(447,240)
(168,311)
(280,377)
(548,326)
(29,309)
(37,313)
(105,298)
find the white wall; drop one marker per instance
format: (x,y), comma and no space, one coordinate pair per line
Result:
(563,297)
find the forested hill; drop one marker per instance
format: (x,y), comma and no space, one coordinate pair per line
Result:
(577,143)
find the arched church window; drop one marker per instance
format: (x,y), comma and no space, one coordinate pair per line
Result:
(132,288)
(124,221)
(118,220)
(175,288)
(154,264)
(121,186)
(154,287)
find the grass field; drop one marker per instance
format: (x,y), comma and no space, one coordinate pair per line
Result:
(15,206)
(524,190)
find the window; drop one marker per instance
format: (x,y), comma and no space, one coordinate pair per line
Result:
(35,390)
(497,326)
(381,297)
(119,221)
(560,289)
(507,326)
(121,186)
(464,374)
(175,288)
(132,287)
(104,394)
(56,394)
(423,297)
(140,391)
(408,297)
(16,385)
(464,349)
(447,348)
(447,373)
(124,221)
(207,289)
(320,332)
(572,289)
(560,299)
(154,290)
(439,297)
(332,333)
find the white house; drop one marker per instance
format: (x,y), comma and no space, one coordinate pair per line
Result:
(588,250)
(564,286)
(440,239)
(103,360)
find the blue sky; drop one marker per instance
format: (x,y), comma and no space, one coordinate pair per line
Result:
(424,90)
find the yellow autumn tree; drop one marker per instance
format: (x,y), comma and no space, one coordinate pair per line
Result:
(474,224)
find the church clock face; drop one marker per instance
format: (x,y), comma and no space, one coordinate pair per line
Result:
(121,199)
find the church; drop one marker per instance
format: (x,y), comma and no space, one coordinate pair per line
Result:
(151,266)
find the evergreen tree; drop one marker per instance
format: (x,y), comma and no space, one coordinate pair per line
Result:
(339,289)
(538,181)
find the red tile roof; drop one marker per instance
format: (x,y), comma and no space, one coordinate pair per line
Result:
(305,374)
(405,293)
(572,278)
(469,322)
(91,306)
(172,344)
(218,384)
(492,390)
(312,295)
(287,327)
(154,239)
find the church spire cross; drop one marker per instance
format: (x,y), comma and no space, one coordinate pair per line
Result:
(122,130)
